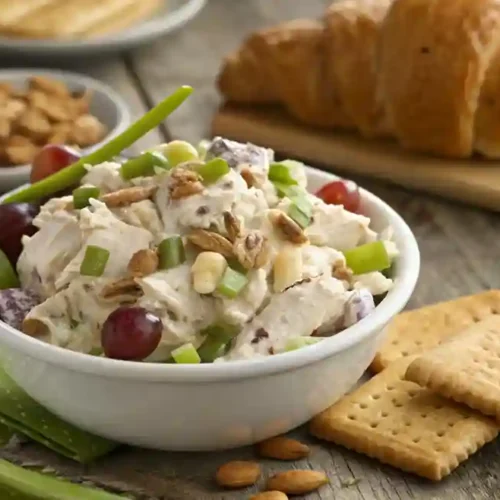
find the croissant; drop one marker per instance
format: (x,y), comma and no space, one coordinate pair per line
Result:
(425,72)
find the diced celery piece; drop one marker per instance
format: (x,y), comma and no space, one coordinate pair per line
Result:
(96,351)
(279,172)
(368,258)
(294,343)
(94,261)
(186,354)
(213,170)
(82,195)
(232,283)
(171,252)
(8,276)
(289,191)
(144,165)
(221,331)
(211,349)
(302,219)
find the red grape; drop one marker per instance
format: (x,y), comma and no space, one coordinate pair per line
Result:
(130,333)
(15,220)
(341,193)
(50,159)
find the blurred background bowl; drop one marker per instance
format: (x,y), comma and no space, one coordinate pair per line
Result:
(106,105)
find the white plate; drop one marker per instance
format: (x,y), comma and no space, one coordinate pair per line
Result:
(173,15)
(106,105)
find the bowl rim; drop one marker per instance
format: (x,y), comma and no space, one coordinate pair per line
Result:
(124,118)
(393,303)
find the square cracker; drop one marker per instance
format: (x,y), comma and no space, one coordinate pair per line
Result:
(416,331)
(404,425)
(466,368)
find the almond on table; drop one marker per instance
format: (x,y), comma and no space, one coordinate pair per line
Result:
(238,474)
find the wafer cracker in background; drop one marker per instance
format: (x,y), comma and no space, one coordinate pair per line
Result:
(416,331)
(402,424)
(466,369)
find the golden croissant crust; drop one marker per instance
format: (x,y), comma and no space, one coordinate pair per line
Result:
(426,72)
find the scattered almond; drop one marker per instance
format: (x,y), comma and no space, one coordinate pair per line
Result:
(143,262)
(238,474)
(297,482)
(283,448)
(34,327)
(269,495)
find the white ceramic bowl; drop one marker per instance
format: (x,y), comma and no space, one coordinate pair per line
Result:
(106,105)
(209,407)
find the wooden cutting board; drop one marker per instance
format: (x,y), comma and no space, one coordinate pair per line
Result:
(474,181)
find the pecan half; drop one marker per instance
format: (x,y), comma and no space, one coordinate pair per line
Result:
(127,196)
(252,250)
(184,182)
(288,227)
(212,242)
(233,226)
(125,288)
(34,327)
(143,262)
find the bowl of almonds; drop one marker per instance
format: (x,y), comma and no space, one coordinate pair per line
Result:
(41,107)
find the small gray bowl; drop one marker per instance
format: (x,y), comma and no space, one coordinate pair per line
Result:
(106,105)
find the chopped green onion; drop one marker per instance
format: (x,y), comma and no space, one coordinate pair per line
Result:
(82,195)
(186,354)
(213,170)
(8,276)
(232,283)
(221,331)
(295,343)
(368,258)
(171,252)
(178,152)
(295,213)
(211,349)
(71,175)
(278,172)
(94,262)
(144,165)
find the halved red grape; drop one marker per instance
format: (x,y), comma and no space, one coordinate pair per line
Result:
(16,220)
(341,193)
(130,333)
(50,159)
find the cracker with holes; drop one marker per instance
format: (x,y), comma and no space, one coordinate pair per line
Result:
(405,425)
(416,331)
(465,369)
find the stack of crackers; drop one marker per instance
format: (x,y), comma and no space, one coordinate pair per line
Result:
(73,19)
(435,398)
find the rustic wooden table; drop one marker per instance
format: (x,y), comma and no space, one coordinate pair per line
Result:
(459,246)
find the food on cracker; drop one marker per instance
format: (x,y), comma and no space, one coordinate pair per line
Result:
(405,425)
(466,368)
(71,19)
(413,332)
(46,112)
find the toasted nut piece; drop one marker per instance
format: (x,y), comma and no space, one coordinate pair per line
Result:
(34,124)
(210,241)
(87,130)
(232,225)
(248,177)
(341,271)
(237,474)
(55,109)
(34,327)
(207,271)
(288,227)
(252,250)
(269,495)
(283,448)
(125,287)
(297,482)
(143,262)
(287,268)
(5,128)
(80,103)
(49,86)
(20,150)
(184,182)
(127,196)
(60,134)
(12,109)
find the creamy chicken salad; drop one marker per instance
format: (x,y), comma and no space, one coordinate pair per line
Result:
(207,254)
